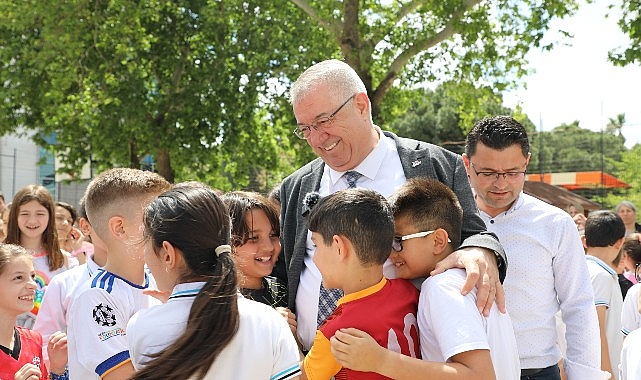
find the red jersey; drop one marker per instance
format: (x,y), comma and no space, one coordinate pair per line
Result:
(386,311)
(30,352)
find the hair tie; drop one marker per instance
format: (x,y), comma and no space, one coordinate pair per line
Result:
(222,249)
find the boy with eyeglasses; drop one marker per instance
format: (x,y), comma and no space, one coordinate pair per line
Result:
(457,342)
(352,231)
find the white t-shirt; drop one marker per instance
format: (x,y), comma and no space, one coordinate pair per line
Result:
(631,357)
(52,316)
(607,292)
(630,316)
(263,347)
(450,323)
(100,310)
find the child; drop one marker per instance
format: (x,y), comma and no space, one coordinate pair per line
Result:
(100,308)
(631,357)
(352,231)
(20,348)
(630,314)
(32,226)
(256,246)
(57,300)
(206,327)
(604,234)
(455,338)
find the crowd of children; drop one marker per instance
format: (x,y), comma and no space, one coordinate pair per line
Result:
(149,280)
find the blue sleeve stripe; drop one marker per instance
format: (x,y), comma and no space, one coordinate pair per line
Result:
(625,331)
(112,362)
(287,373)
(111,284)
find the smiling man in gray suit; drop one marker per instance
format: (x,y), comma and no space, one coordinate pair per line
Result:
(333,111)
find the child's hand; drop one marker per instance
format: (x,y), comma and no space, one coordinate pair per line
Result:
(75,238)
(57,349)
(357,350)
(157,294)
(28,372)
(289,317)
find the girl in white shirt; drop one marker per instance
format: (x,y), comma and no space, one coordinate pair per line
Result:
(207,330)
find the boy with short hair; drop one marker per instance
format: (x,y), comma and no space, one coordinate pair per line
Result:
(604,237)
(457,342)
(115,201)
(56,302)
(352,231)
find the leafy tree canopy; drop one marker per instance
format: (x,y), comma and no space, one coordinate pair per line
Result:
(200,84)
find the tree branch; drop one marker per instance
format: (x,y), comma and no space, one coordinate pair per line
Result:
(333,28)
(418,46)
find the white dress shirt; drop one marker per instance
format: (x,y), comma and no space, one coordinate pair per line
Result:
(547,272)
(382,171)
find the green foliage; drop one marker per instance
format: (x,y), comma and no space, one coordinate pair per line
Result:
(200,84)
(570,148)
(630,24)
(444,116)
(189,82)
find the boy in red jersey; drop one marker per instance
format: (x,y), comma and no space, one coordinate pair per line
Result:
(353,231)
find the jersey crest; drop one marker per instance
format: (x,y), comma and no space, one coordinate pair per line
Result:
(104,315)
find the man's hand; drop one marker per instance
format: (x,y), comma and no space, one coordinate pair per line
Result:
(357,350)
(482,271)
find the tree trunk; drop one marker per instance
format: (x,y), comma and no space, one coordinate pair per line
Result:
(163,165)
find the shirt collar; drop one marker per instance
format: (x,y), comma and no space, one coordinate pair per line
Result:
(602,264)
(187,289)
(370,166)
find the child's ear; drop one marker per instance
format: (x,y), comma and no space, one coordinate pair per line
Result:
(441,240)
(619,243)
(169,255)
(342,246)
(116,225)
(585,245)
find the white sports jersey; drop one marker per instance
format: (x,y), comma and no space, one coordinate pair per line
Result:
(263,336)
(100,310)
(52,316)
(459,327)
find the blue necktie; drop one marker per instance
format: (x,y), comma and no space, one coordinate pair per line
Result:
(328,297)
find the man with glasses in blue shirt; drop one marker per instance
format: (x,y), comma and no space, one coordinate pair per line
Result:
(547,264)
(334,116)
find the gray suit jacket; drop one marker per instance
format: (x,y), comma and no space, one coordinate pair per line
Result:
(418,159)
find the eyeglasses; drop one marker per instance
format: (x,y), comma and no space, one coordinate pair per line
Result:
(303,130)
(494,176)
(397,242)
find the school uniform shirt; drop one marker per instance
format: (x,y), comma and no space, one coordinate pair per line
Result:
(547,272)
(608,293)
(100,310)
(631,357)
(386,311)
(263,338)
(630,316)
(30,343)
(52,316)
(458,327)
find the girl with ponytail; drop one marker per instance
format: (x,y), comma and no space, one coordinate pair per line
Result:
(205,330)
